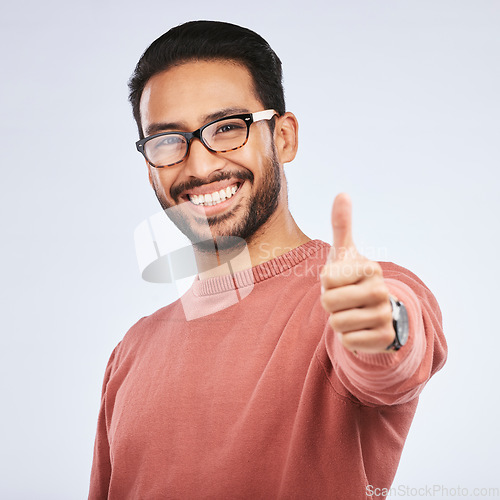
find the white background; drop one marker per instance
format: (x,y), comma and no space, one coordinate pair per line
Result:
(398,104)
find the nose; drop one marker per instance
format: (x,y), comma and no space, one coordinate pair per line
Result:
(200,162)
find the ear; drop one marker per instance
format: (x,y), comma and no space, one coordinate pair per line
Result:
(286,136)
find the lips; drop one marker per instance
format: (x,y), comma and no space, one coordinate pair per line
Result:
(215,197)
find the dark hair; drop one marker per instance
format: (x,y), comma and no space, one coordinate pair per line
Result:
(211,40)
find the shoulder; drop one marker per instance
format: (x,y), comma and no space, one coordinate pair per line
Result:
(391,270)
(144,331)
(394,272)
(405,281)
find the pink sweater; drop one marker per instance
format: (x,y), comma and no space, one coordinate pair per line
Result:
(259,400)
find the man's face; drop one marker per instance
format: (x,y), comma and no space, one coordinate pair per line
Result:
(186,97)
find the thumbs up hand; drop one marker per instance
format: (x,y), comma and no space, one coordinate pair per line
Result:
(353,289)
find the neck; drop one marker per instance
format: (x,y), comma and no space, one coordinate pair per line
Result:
(277,236)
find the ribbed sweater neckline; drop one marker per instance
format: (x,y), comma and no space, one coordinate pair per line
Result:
(257,274)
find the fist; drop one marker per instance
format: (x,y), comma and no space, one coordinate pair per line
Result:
(353,290)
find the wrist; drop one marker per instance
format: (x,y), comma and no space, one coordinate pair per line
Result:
(399,323)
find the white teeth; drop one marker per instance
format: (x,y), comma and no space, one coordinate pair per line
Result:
(214,198)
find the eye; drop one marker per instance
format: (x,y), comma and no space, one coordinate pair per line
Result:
(167,141)
(228,127)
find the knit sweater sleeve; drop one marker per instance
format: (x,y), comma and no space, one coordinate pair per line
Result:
(101,465)
(395,377)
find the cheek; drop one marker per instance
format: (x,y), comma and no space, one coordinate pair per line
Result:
(255,155)
(162,182)
(262,139)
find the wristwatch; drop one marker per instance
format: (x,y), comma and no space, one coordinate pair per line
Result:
(400,323)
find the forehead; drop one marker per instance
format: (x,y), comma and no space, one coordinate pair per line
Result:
(188,92)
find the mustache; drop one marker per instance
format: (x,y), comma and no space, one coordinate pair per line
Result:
(244,175)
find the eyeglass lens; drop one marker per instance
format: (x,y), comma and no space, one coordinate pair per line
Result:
(224,135)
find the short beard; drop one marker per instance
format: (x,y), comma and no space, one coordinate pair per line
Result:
(258,211)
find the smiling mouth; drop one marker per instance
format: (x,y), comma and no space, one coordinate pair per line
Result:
(216,197)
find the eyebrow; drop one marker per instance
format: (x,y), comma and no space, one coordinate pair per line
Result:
(155,128)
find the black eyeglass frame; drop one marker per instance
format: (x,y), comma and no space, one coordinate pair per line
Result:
(248,118)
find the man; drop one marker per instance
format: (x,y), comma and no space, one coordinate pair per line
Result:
(305,386)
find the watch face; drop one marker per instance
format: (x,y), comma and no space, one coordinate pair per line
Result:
(402,325)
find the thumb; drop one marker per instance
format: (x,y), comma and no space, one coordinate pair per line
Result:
(343,243)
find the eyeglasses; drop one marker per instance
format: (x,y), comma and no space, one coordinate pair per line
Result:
(220,136)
